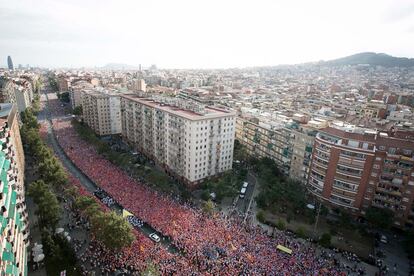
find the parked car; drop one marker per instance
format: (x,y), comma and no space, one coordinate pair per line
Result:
(154,236)
(242,192)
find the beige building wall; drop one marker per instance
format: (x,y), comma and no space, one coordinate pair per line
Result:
(190,145)
(101,112)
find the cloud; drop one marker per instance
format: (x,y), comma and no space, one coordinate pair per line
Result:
(398,12)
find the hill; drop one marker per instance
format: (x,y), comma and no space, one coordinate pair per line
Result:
(372,59)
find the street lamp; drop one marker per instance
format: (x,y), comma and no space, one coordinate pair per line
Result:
(312,207)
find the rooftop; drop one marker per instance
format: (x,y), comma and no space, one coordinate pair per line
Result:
(183,108)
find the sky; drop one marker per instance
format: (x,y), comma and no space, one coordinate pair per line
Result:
(200,34)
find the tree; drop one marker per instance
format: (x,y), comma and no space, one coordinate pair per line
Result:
(52,172)
(78,110)
(48,206)
(84,202)
(280,225)
(29,119)
(208,207)
(38,85)
(409,245)
(37,189)
(150,270)
(36,104)
(379,218)
(114,231)
(261,216)
(325,240)
(301,232)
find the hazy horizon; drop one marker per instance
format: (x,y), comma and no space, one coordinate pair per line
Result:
(190,34)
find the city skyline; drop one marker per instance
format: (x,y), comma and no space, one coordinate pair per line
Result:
(188,35)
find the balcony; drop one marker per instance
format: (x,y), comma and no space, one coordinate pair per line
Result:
(341,203)
(397,181)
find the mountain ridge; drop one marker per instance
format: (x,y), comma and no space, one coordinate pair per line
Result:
(371,58)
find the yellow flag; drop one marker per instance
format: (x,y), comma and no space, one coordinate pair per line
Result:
(284,249)
(125,213)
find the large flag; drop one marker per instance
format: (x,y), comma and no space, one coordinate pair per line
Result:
(125,213)
(284,249)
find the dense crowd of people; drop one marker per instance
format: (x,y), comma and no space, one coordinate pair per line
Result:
(216,245)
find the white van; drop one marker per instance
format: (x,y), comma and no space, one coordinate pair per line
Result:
(242,192)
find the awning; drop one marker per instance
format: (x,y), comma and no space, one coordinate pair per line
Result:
(3,223)
(12,207)
(7,256)
(284,249)
(6,165)
(3,177)
(12,270)
(8,246)
(2,157)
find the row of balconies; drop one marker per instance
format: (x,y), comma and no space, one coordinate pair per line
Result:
(395,192)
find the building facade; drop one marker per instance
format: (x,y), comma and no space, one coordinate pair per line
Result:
(10,63)
(16,90)
(391,181)
(266,139)
(355,168)
(14,230)
(191,141)
(303,137)
(102,111)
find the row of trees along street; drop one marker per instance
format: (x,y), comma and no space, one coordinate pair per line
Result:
(52,184)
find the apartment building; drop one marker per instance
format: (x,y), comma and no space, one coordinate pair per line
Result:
(16,90)
(191,141)
(391,180)
(76,90)
(266,138)
(102,111)
(14,230)
(63,83)
(373,109)
(355,168)
(139,85)
(303,137)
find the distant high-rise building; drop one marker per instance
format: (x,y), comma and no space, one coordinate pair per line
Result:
(140,85)
(10,63)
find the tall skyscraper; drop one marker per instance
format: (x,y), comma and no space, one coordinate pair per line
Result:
(10,63)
